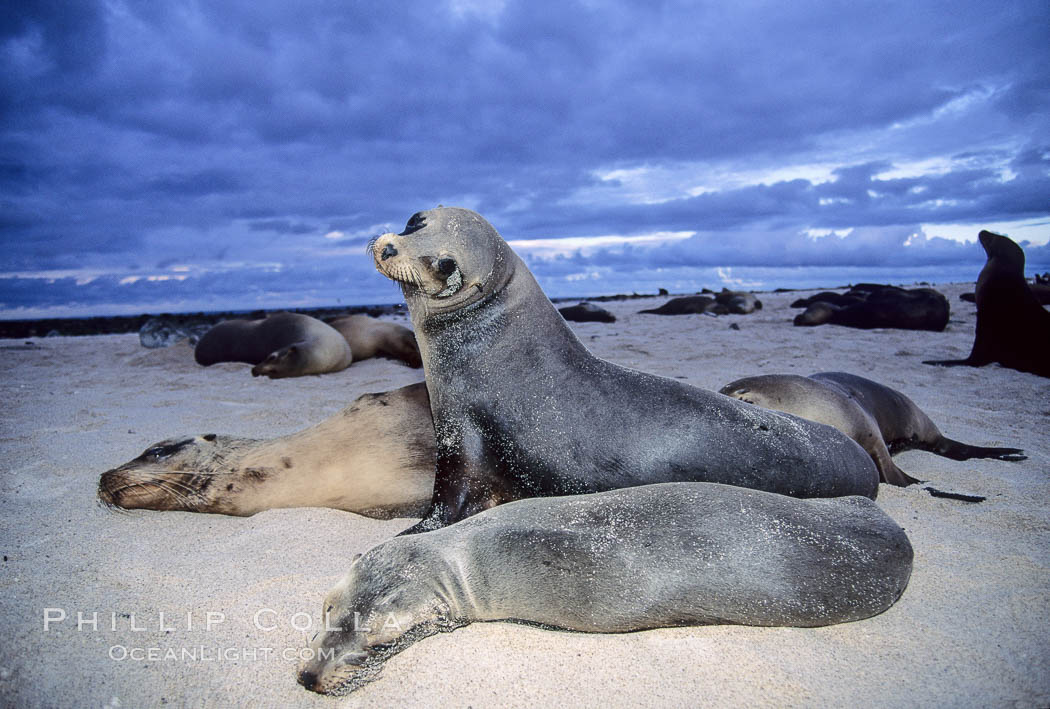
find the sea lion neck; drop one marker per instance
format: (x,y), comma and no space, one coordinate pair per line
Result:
(515,316)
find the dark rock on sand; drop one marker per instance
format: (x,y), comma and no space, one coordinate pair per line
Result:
(164,332)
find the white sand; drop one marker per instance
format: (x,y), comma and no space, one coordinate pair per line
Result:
(971,629)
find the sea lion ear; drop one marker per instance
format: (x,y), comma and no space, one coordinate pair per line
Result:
(354,560)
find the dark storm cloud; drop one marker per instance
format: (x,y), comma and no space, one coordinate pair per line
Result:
(184,133)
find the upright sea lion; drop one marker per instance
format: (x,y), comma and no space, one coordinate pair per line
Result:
(375,458)
(1013,329)
(879,418)
(281,345)
(371,337)
(522,409)
(653,556)
(878,306)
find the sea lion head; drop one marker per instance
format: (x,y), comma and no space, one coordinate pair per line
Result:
(446,259)
(169,475)
(286,362)
(382,604)
(1003,249)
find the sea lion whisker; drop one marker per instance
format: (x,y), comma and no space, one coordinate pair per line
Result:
(186,501)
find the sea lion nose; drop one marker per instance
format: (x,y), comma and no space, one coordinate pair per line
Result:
(308,679)
(388,251)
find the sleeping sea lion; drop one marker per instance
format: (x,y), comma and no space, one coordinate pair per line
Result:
(280,345)
(371,337)
(879,418)
(375,458)
(652,556)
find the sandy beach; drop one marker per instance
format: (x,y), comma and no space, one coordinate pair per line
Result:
(135,609)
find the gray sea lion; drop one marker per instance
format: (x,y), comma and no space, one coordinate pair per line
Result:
(522,409)
(1013,329)
(879,306)
(882,420)
(738,302)
(689,305)
(586,312)
(280,345)
(371,337)
(375,458)
(654,556)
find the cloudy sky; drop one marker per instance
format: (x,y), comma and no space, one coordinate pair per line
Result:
(181,155)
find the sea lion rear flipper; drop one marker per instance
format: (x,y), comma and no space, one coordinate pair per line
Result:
(950,362)
(964,451)
(954,495)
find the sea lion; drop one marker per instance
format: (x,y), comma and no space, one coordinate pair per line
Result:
(586,312)
(830,297)
(280,345)
(654,556)
(371,337)
(375,458)
(1013,329)
(738,302)
(689,305)
(878,306)
(522,409)
(882,420)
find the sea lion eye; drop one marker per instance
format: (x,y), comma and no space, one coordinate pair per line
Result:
(446,266)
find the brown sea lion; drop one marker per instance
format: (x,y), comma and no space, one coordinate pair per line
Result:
(371,337)
(1013,329)
(280,345)
(880,419)
(375,458)
(522,409)
(653,556)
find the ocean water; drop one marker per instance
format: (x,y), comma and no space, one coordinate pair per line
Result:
(38,298)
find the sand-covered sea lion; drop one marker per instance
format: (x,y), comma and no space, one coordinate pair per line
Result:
(522,409)
(371,337)
(871,305)
(375,458)
(586,312)
(654,556)
(882,420)
(1013,329)
(280,345)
